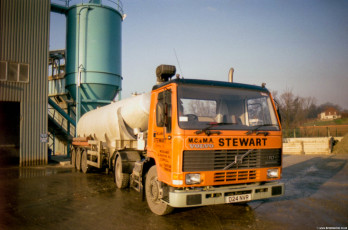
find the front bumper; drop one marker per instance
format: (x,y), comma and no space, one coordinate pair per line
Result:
(217,195)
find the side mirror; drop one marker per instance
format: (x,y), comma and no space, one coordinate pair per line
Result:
(160,114)
(278,110)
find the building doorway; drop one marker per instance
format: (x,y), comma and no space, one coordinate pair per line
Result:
(9,133)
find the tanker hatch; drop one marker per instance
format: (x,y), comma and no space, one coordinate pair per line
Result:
(165,73)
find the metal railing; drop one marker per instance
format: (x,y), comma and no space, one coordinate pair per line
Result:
(61,2)
(61,121)
(316,131)
(115,4)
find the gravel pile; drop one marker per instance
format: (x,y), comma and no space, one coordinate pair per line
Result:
(342,146)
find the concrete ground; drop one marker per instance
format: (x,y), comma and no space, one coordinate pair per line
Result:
(58,197)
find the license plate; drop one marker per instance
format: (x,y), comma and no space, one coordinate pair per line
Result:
(237,198)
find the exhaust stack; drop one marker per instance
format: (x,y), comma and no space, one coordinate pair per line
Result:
(230,75)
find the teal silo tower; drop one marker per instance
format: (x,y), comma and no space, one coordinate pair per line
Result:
(93,54)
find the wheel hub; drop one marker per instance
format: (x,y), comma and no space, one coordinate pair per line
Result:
(154,191)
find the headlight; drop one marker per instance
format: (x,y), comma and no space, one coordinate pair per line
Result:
(272,173)
(193,178)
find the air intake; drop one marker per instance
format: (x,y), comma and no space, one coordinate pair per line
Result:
(164,73)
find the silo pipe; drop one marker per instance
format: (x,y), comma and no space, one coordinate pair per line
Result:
(78,80)
(58,9)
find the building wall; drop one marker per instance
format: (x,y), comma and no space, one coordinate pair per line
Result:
(24,38)
(329,116)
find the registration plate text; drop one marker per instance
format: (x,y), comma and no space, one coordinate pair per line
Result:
(237,198)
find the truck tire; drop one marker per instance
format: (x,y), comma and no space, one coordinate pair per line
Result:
(84,165)
(121,179)
(152,194)
(78,159)
(73,157)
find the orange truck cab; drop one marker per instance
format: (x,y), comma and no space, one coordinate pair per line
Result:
(211,142)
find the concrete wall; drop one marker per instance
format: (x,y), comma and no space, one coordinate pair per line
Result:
(319,145)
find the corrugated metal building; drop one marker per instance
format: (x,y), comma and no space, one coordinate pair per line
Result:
(24,48)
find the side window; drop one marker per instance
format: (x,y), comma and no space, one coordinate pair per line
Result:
(164,110)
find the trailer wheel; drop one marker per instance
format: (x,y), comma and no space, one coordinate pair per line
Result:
(73,157)
(121,179)
(84,165)
(152,192)
(78,159)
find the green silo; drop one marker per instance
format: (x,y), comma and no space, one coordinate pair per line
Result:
(93,52)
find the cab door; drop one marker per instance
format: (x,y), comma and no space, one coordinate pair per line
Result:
(162,134)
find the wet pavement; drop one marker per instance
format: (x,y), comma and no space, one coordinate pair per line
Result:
(58,197)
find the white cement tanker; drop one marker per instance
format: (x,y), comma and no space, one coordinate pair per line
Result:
(118,121)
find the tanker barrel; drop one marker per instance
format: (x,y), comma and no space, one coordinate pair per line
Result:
(116,121)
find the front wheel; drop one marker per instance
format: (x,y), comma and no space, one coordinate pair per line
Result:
(152,192)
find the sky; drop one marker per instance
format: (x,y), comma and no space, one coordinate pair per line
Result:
(297,45)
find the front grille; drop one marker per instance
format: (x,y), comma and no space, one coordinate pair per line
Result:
(235,176)
(206,160)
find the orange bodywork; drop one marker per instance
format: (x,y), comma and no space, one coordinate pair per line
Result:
(81,144)
(167,148)
(81,141)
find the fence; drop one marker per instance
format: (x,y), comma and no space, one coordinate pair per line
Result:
(316,131)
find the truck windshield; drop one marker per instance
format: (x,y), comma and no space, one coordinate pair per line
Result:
(225,108)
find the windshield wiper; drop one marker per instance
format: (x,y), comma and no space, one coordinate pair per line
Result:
(257,127)
(207,130)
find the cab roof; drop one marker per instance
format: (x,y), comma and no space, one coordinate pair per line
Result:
(211,83)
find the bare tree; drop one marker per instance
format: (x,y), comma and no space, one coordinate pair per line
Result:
(295,110)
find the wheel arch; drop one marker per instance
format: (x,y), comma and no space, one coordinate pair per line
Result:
(148,163)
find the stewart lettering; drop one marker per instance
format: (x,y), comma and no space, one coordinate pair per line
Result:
(244,141)
(251,142)
(264,141)
(235,141)
(227,142)
(258,142)
(221,142)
